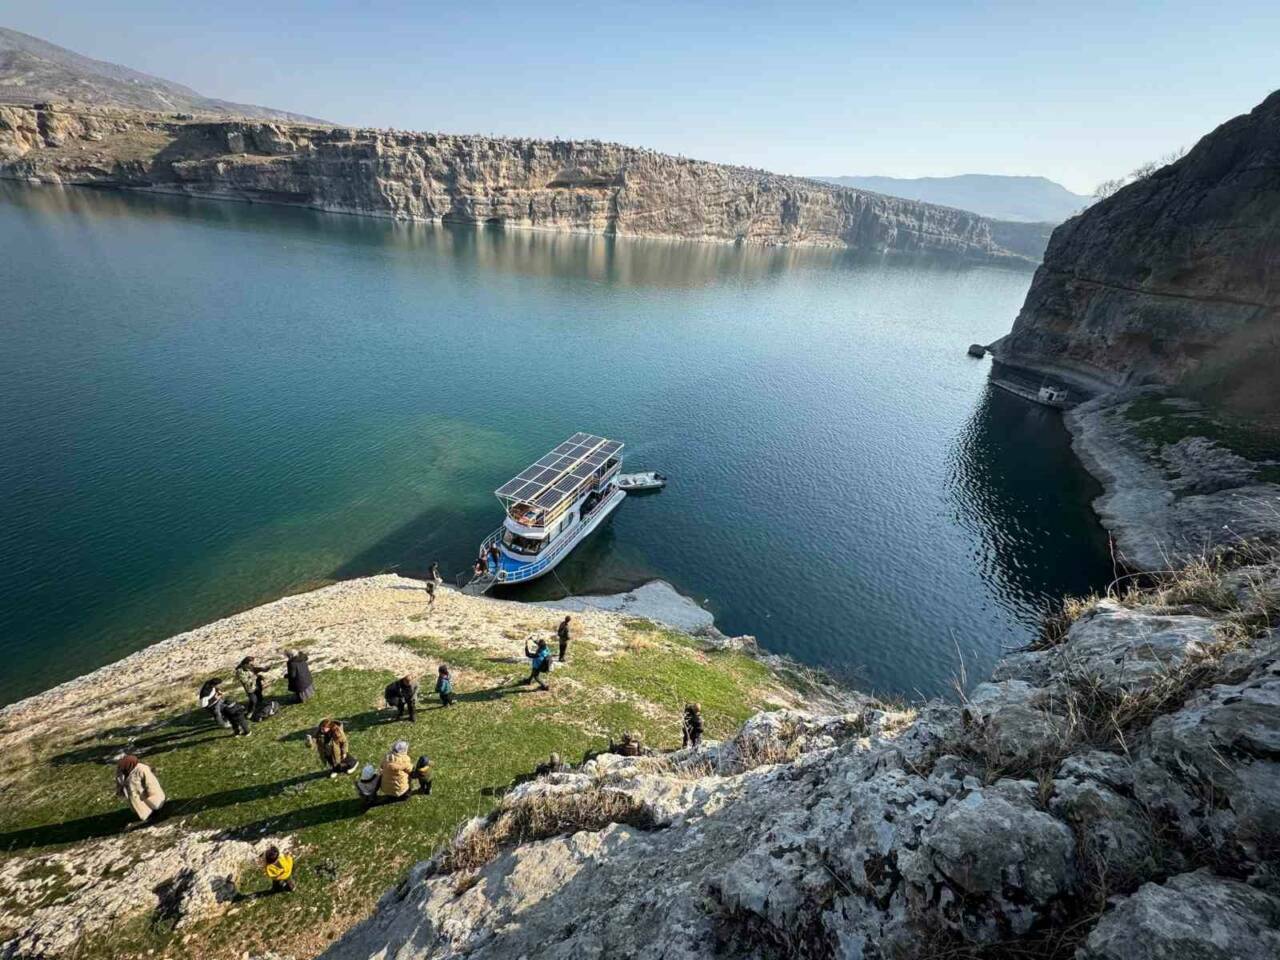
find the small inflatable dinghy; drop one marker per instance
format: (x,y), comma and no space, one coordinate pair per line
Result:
(642,481)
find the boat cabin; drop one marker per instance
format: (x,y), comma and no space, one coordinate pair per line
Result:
(556,493)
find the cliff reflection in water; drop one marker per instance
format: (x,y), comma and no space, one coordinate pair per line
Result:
(670,264)
(1016,485)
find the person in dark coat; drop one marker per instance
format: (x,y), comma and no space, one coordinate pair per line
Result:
(692,725)
(444,686)
(403,695)
(562,633)
(299,673)
(539,663)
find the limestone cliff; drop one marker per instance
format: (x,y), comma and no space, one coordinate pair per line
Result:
(1173,279)
(1113,794)
(561,185)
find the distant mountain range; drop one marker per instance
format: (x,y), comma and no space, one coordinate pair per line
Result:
(1024,199)
(35,71)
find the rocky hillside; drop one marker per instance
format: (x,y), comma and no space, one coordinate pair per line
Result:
(1020,199)
(1173,279)
(36,71)
(584,186)
(1111,795)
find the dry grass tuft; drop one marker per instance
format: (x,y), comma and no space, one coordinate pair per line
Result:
(540,816)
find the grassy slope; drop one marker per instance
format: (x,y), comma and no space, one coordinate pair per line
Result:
(269,783)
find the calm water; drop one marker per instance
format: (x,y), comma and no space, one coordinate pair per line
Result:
(203,406)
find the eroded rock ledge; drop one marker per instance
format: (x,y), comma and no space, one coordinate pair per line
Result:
(1115,794)
(585,186)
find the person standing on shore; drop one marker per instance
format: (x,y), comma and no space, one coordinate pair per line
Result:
(138,786)
(562,634)
(299,673)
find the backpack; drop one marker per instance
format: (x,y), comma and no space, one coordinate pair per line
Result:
(392,694)
(367,785)
(445,685)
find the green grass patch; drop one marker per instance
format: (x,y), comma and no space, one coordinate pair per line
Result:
(270,783)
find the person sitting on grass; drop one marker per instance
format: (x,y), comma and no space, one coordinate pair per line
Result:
(553,765)
(692,725)
(211,700)
(539,662)
(137,784)
(403,695)
(444,686)
(393,785)
(279,870)
(330,742)
(631,746)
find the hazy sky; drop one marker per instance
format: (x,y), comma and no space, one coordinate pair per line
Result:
(1074,91)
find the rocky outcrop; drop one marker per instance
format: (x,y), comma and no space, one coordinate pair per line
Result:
(1173,490)
(1117,793)
(1174,278)
(59,900)
(585,186)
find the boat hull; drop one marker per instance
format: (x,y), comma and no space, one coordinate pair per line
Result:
(514,570)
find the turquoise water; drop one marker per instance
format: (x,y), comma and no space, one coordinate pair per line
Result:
(204,406)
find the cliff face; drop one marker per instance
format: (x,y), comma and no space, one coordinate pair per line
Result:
(562,185)
(1173,279)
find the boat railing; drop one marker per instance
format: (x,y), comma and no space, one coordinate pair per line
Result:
(534,518)
(531,570)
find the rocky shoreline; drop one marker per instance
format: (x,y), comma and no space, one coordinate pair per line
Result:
(1174,493)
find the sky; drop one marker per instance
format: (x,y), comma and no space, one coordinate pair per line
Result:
(1077,92)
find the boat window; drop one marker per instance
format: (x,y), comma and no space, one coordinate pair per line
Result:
(521,544)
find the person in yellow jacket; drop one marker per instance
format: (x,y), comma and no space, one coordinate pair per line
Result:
(279,870)
(137,784)
(396,768)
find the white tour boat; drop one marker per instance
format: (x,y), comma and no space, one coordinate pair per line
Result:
(551,507)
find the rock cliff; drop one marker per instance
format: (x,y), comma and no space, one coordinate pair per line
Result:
(1113,794)
(560,185)
(1173,279)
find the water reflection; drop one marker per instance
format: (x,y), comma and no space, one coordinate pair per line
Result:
(1015,484)
(626,262)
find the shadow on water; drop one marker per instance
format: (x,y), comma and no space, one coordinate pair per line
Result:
(1011,467)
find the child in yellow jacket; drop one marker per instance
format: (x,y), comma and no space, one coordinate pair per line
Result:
(279,870)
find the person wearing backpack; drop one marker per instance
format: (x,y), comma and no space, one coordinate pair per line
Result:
(539,662)
(444,686)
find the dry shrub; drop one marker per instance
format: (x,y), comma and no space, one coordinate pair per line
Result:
(1056,623)
(539,816)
